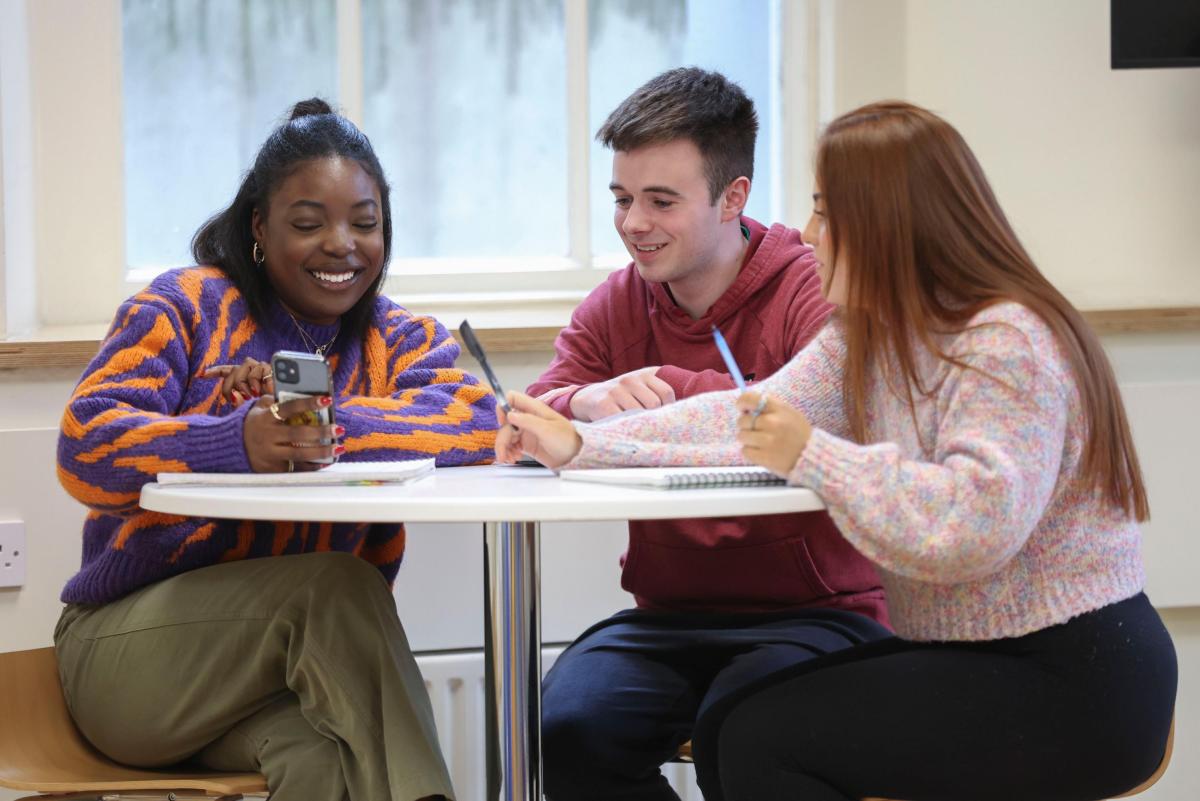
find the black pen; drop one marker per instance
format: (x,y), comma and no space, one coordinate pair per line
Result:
(476,350)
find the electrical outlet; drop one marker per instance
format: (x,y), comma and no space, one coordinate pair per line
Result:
(12,553)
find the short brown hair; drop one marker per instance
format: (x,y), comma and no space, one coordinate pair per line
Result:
(690,103)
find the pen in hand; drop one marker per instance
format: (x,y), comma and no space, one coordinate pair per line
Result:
(736,372)
(475,349)
(726,354)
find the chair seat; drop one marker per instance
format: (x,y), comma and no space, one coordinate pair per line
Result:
(42,751)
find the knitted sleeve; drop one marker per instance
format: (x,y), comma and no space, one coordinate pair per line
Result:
(702,430)
(413,402)
(962,512)
(123,423)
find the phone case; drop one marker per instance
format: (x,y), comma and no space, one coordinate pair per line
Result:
(303,375)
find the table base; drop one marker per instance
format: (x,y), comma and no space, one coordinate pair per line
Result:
(513,660)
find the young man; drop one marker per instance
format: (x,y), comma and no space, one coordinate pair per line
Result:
(720,602)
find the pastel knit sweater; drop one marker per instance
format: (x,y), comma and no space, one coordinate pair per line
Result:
(972,511)
(144,406)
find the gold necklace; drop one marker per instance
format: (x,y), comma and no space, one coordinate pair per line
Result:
(310,343)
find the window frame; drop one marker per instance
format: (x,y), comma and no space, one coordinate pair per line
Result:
(18,317)
(74,171)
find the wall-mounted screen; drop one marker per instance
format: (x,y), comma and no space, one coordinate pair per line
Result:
(1155,33)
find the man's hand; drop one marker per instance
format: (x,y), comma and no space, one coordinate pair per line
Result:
(639,389)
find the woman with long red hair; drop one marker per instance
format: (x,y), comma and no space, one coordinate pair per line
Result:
(964,428)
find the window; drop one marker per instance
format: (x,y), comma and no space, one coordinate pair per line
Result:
(204,82)
(465,103)
(16,179)
(483,114)
(630,42)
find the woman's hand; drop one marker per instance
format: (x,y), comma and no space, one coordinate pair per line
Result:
(275,445)
(250,379)
(773,434)
(536,429)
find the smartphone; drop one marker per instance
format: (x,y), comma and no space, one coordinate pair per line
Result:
(302,375)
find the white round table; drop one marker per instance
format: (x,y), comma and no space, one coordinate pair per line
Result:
(510,502)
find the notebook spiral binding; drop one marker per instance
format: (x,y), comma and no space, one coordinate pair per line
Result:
(721,478)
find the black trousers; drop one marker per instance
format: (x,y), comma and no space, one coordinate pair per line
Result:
(619,702)
(1074,712)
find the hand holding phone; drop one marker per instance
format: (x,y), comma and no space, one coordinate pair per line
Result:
(303,399)
(302,375)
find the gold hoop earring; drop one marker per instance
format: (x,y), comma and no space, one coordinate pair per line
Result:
(257,255)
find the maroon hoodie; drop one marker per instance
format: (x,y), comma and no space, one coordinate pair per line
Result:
(754,563)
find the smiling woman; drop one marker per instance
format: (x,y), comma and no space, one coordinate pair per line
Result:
(323,246)
(182,383)
(311,224)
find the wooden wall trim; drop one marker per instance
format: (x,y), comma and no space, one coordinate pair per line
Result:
(65,353)
(1145,321)
(77,353)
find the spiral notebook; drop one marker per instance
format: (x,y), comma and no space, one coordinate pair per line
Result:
(340,473)
(678,477)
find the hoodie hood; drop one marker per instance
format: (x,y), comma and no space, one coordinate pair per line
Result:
(771,250)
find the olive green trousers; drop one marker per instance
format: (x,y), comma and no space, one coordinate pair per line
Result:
(293,666)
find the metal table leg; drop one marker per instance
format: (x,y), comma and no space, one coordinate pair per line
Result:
(513,661)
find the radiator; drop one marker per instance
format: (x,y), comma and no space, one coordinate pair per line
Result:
(455,685)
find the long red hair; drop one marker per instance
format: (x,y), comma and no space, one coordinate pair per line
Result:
(929,248)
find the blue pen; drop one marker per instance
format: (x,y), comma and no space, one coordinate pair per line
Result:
(727,355)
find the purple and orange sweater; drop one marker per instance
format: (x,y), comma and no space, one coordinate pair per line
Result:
(144,406)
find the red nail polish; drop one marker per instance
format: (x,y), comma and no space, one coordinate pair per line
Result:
(340,431)
(324,400)
(339,450)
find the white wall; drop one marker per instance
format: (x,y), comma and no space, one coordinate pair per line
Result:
(1097,168)
(1101,165)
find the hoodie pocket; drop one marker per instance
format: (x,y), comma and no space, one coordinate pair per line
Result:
(770,574)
